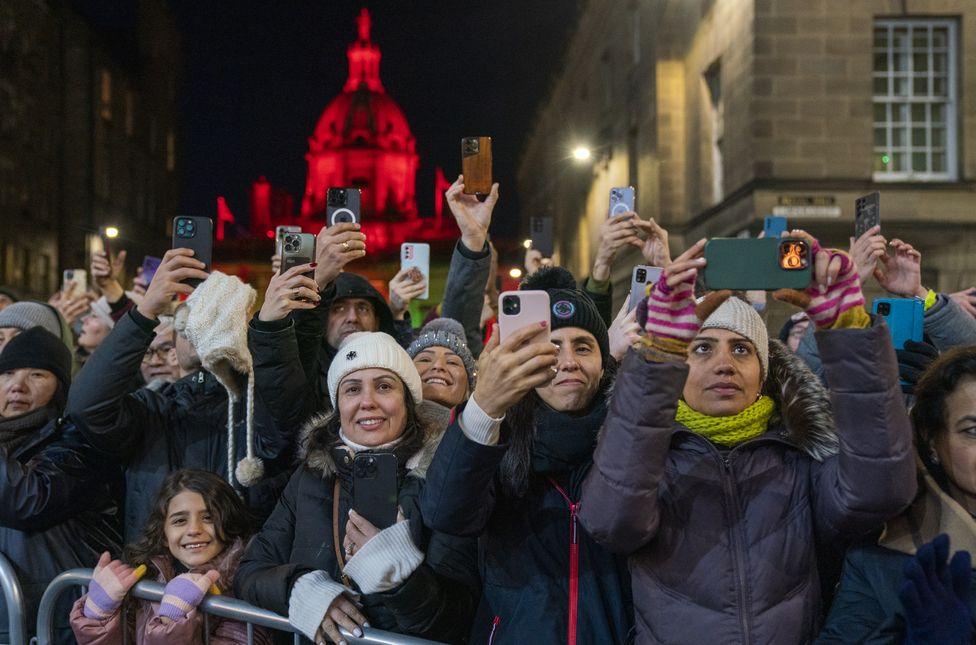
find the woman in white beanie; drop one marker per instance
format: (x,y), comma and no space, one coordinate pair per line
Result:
(316,557)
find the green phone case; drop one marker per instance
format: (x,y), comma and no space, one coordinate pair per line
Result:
(743,264)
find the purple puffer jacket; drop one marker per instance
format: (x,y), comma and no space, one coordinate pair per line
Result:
(722,543)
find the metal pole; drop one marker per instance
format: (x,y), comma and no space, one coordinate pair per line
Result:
(13,596)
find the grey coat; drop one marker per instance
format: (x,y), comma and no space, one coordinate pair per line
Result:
(722,543)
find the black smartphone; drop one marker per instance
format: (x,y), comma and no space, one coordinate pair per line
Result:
(374,488)
(194,233)
(542,237)
(297,249)
(343,205)
(867,213)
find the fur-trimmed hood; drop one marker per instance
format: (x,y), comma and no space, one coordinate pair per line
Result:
(316,443)
(802,402)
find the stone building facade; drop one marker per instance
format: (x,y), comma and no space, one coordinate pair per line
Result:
(88,133)
(722,111)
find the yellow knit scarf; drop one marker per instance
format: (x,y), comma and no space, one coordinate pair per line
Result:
(732,430)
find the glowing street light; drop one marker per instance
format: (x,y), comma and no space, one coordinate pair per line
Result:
(527,244)
(515,273)
(581,153)
(111,232)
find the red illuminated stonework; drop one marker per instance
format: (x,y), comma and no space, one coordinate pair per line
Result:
(362,139)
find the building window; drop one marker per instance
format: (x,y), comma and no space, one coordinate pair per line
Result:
(105,95)
(914,88)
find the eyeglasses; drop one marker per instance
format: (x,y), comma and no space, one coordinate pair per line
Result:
(159,352)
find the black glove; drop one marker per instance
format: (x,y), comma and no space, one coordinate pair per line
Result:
(936,596)
(912,361)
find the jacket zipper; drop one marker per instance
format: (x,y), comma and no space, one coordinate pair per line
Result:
(573,564)
(494,626)
(737,547)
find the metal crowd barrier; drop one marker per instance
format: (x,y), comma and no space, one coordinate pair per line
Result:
(231,608)
(13,597)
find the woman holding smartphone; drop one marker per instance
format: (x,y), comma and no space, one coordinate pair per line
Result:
(322,563)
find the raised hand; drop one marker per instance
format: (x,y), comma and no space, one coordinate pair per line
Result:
(966,299)
(655,247)
(289,291)
(110,581)
(473,215)
(404,287)
(335,247)
(510,370)
(866,251)
(615,233)
(624,332)
(177,265)
(105,274)
(900,272)
(534,261)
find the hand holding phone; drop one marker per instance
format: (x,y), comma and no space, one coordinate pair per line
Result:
(757,264)
(904,316)
(622,200)
(416,255)
(867,213)
(150,264)
(196,234)
(173,278)
(374,487)
(74,283)
(520,309)
(641,278)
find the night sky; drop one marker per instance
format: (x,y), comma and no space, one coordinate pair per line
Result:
(257,75)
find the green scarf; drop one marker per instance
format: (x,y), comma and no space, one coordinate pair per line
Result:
(728,431)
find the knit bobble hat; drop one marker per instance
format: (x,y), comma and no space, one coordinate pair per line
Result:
(568,305)
(37,348)
(449,333)
(215,323)
(27,313)
(364,350)
(737,315)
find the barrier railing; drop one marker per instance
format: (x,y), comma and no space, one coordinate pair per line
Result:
(13,597)
(220,606)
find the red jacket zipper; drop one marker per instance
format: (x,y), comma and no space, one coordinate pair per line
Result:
(573,564)
(494,626)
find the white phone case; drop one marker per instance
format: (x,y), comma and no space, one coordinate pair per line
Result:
(417,254)
(534,309)
(80,279)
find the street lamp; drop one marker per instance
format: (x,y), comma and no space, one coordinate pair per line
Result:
(111,232)
(527,244)
(581,153)
(515,273)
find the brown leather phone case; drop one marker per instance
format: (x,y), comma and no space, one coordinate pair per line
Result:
(476,165)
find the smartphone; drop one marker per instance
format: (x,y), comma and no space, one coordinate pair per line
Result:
(343,205)
(867,213)
(476,165)
(150,265)
(774,225)
(621,200)
(761,264)
(416,254)
(905,318)
(374,488)
(297,249)
(641,277)
(518,309)
(540,230)
(79,278)
(280,232)
(194,233)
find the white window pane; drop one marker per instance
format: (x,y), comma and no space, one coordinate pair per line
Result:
(918,137)
(898,137)
(920,38)
(939,62)
(939,86)
(920,62)
(938,138)
(881,62)
(940,37)
(880,137)
(938,113)
(880,86)
(897,162)
(901,86)
(918,161)
(900,60)
(900,38)
(920,86)
(900,113)
(918,113)
(881,113)
(881,37)
(938,162)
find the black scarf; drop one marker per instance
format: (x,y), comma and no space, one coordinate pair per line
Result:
(14,431)
(564,441)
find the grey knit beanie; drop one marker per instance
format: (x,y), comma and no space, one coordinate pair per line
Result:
(737,315)
(449,333)
(28,313)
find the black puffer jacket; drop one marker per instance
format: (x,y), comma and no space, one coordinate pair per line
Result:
(537,561)
(59,509)
(437,601)
(183,425)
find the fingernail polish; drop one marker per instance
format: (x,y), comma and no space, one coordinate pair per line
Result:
(543,323)
(313,264)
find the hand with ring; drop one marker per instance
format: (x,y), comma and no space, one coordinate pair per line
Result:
(288,291)
(335,247)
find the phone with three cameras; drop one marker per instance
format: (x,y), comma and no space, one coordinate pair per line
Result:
(541,232)
(476,165)
(519,309)
(279,234)
(297,249)
(640,278)
(417,255)
(905,318)
(343,205)
(195,233)
(867,213)
(374,488)
(622,200)
(760,264)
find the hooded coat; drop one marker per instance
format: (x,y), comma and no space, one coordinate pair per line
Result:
(723,543)
(436,601)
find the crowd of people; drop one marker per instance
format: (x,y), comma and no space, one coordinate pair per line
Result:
(675,473)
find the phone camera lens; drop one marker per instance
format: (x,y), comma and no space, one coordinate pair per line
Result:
(884,308)
(511,305)
(641,275)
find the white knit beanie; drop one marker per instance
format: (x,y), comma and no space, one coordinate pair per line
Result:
(364,350)
(737,315)
(216,326)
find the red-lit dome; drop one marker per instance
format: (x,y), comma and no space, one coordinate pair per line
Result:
(363,118)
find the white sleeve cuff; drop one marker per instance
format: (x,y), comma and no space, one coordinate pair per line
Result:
(311,596)
(478,426)
(386,560)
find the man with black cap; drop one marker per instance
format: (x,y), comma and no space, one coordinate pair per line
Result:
(59,505)
(510,470)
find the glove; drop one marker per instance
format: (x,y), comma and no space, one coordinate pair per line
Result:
(834,291)
(110,581)
(184,592)
(912,361)
(670,313)
(936,597)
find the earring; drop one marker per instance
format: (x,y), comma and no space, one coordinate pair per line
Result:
(934,456)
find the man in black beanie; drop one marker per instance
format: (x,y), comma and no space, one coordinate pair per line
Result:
(59,504)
